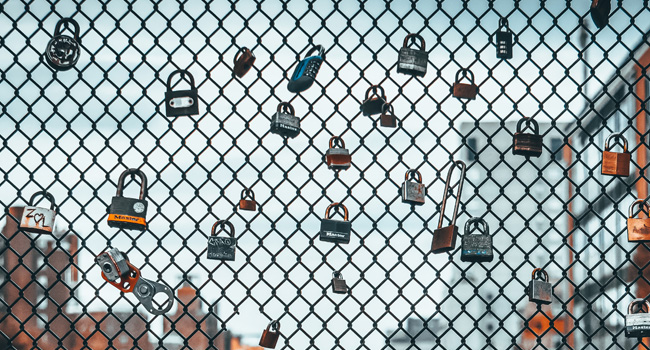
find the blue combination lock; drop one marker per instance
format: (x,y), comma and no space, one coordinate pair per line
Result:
(305,74)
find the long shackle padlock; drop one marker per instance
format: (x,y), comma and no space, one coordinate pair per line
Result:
(335,231)
(181,102)
(337,156)
(476,247)
(222,248)
(413,192)
(129,213)
(62,51)
(413,61)
(444,238)
(373,103)
(615,163)
(38,219)
(638,229)
(464,90)
(526,144)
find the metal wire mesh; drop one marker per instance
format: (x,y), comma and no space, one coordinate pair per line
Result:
(73,133)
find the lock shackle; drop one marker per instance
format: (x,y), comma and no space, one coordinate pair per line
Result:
(413,37)
(466,74)
(486,228)
(458,193)
(642,204)
(247,193)
(286,107)
(183,74)
(529,122)
(638,301)
(337,274)
(136,172)
(503,23)
(337,205)
(275,324)
(538,272)
(242,51)
(616,136)
(75,26)
(223,224)
(319,48)
(413,174)
(375,92)
(387,107)
(46,195)
(337,141)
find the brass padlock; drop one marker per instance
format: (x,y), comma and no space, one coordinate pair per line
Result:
(243,62)
(388,118)
(129,213)
(638,229)
(373,103)
(476,248)
(37,219)
(222,248)
(270,335)
(63,51)
(444,238)
(284,122)
(504,40)
(413,192)
(525,144)
(181,102)
(637,324)
(338,283)
(600,12)
(247,201)
(337,156)
(616,164)
(540,289)
(335,231)
(463,90)
(413,61)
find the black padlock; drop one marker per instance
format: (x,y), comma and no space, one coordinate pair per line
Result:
(388,118)
(464,90)
(129,213)
(335,231)
(243,62)
(476,248)
(284,122)
(373,103)
(504,40)
(540,289)
(337,156)
(37,219)
(181,102)
(637,324)
(338,283)
(444,238)
(600,12)
(63,51)
(222,248)
(413,61)
(527,144)
(413,192)
(270,335)
(306,70)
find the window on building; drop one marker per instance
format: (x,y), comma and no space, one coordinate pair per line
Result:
(471,149)
(556,148)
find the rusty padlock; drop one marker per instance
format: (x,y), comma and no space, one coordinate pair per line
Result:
(540,289)
(413,192)
(638,229)
(270,335)
(338,283)
(337,156)
(38,219)
(464,90)
(388,118)
(247,201)
(243,62)
(444,238)
(616,164)
(373,103)
(526,144)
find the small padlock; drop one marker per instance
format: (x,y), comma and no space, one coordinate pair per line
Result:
(540,290)
(243,62)
(129,213)
(504,40)
(335,231)
(637,324)
(600,12)
(270,335)
(413,192)
(413,61)
(284,122)
(306,70)
(616,164)
(62,52)
(181,102)
(476,248)
(338,283)
(247,204)
(373,103)
(524,144)
(38,219)
(388,118)
(337,156)
(444,238)
(222,248)
(638,229)
(463,90)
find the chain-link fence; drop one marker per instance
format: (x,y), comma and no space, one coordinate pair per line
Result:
(73,133)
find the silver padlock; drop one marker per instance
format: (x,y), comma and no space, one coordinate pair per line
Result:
(338,283)
(37,219)
(413,61)
(637,324)
(413,192)
(540,289)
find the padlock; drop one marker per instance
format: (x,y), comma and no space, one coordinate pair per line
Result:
(463,90)
(540,290)
(38,219)
(637,324)
(284,122)
(373,103)
(600,12)
(476,248)
(270,335)
(337,156)
(338,283)
(616,164)
(247,204)
(413,61)
(181,102)
(129,213)
(413,192)
(388,118)
(444,238)
(63,51)
(222,248)
(524,144)
(504,40)
(243,62)
(638,229)
(335,231)
(306,70)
